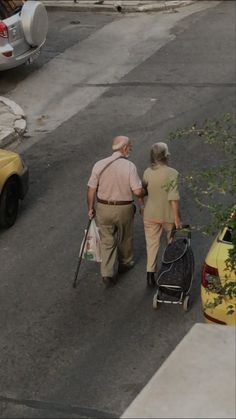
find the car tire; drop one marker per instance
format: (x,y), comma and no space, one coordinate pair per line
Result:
(9,202)
(34,21)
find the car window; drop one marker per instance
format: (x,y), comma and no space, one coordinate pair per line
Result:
(10,7)
(227,236)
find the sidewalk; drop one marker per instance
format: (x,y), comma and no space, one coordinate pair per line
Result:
(12,121)
(123,6)
(197,380)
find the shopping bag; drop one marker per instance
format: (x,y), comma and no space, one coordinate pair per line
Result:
(92,247)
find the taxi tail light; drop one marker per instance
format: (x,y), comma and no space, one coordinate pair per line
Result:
(208,272)
(3,30)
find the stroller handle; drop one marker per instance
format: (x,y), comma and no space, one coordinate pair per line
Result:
(175,231)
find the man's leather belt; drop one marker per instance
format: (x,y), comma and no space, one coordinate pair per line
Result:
(103,201)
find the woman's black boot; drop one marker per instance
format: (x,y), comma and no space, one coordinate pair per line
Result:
(151,279)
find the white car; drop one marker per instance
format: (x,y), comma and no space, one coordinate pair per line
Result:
(23,31)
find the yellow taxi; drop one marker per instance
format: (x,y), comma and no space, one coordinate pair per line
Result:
(218,284)
(14,183)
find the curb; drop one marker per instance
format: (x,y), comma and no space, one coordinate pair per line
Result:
(9,135)
(116,6)
(170,6)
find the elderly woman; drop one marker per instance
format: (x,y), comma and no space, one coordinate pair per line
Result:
(161,209)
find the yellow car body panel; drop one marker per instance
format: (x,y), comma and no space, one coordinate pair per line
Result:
(14,184)
(10,164)
(219,313)
(216,257)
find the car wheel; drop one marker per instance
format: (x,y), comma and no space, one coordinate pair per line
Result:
(34,21)
(9,203)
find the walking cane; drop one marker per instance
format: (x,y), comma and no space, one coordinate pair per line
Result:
(81,253)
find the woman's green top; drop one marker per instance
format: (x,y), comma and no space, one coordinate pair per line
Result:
(161,182)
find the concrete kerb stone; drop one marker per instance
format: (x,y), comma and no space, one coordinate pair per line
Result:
(169,5)
(116,6)
(12,121)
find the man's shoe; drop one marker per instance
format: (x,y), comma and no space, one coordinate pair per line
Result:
(124,267)
(151,282)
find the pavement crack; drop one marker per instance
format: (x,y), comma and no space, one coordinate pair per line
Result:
(83,412)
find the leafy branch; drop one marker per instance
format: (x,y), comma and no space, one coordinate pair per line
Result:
(215,181)
(214,189)
(224,292)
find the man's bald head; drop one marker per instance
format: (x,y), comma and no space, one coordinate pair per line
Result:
(119,142)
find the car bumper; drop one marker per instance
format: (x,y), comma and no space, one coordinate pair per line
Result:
(24,182)
(218,314)
(12,62)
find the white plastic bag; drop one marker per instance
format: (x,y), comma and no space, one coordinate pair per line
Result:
(92,248)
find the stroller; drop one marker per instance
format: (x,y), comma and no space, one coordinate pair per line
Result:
(175,277)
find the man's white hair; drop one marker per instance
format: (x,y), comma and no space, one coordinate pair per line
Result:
(119,142)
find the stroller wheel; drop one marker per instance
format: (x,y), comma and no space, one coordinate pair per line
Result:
(186,303)
(155,303)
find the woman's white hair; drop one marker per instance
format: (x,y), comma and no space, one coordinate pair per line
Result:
(159,152)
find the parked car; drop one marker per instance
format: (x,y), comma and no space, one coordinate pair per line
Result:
(14,183)
(218,283)
(23,31)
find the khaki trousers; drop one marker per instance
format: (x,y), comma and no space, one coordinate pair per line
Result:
(116,232)
(153,234)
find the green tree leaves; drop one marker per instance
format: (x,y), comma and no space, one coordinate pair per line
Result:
(214,188)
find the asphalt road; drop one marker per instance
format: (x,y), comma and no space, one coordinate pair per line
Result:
(65,30)
(88,352)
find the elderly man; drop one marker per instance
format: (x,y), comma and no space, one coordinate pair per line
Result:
(113,182)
